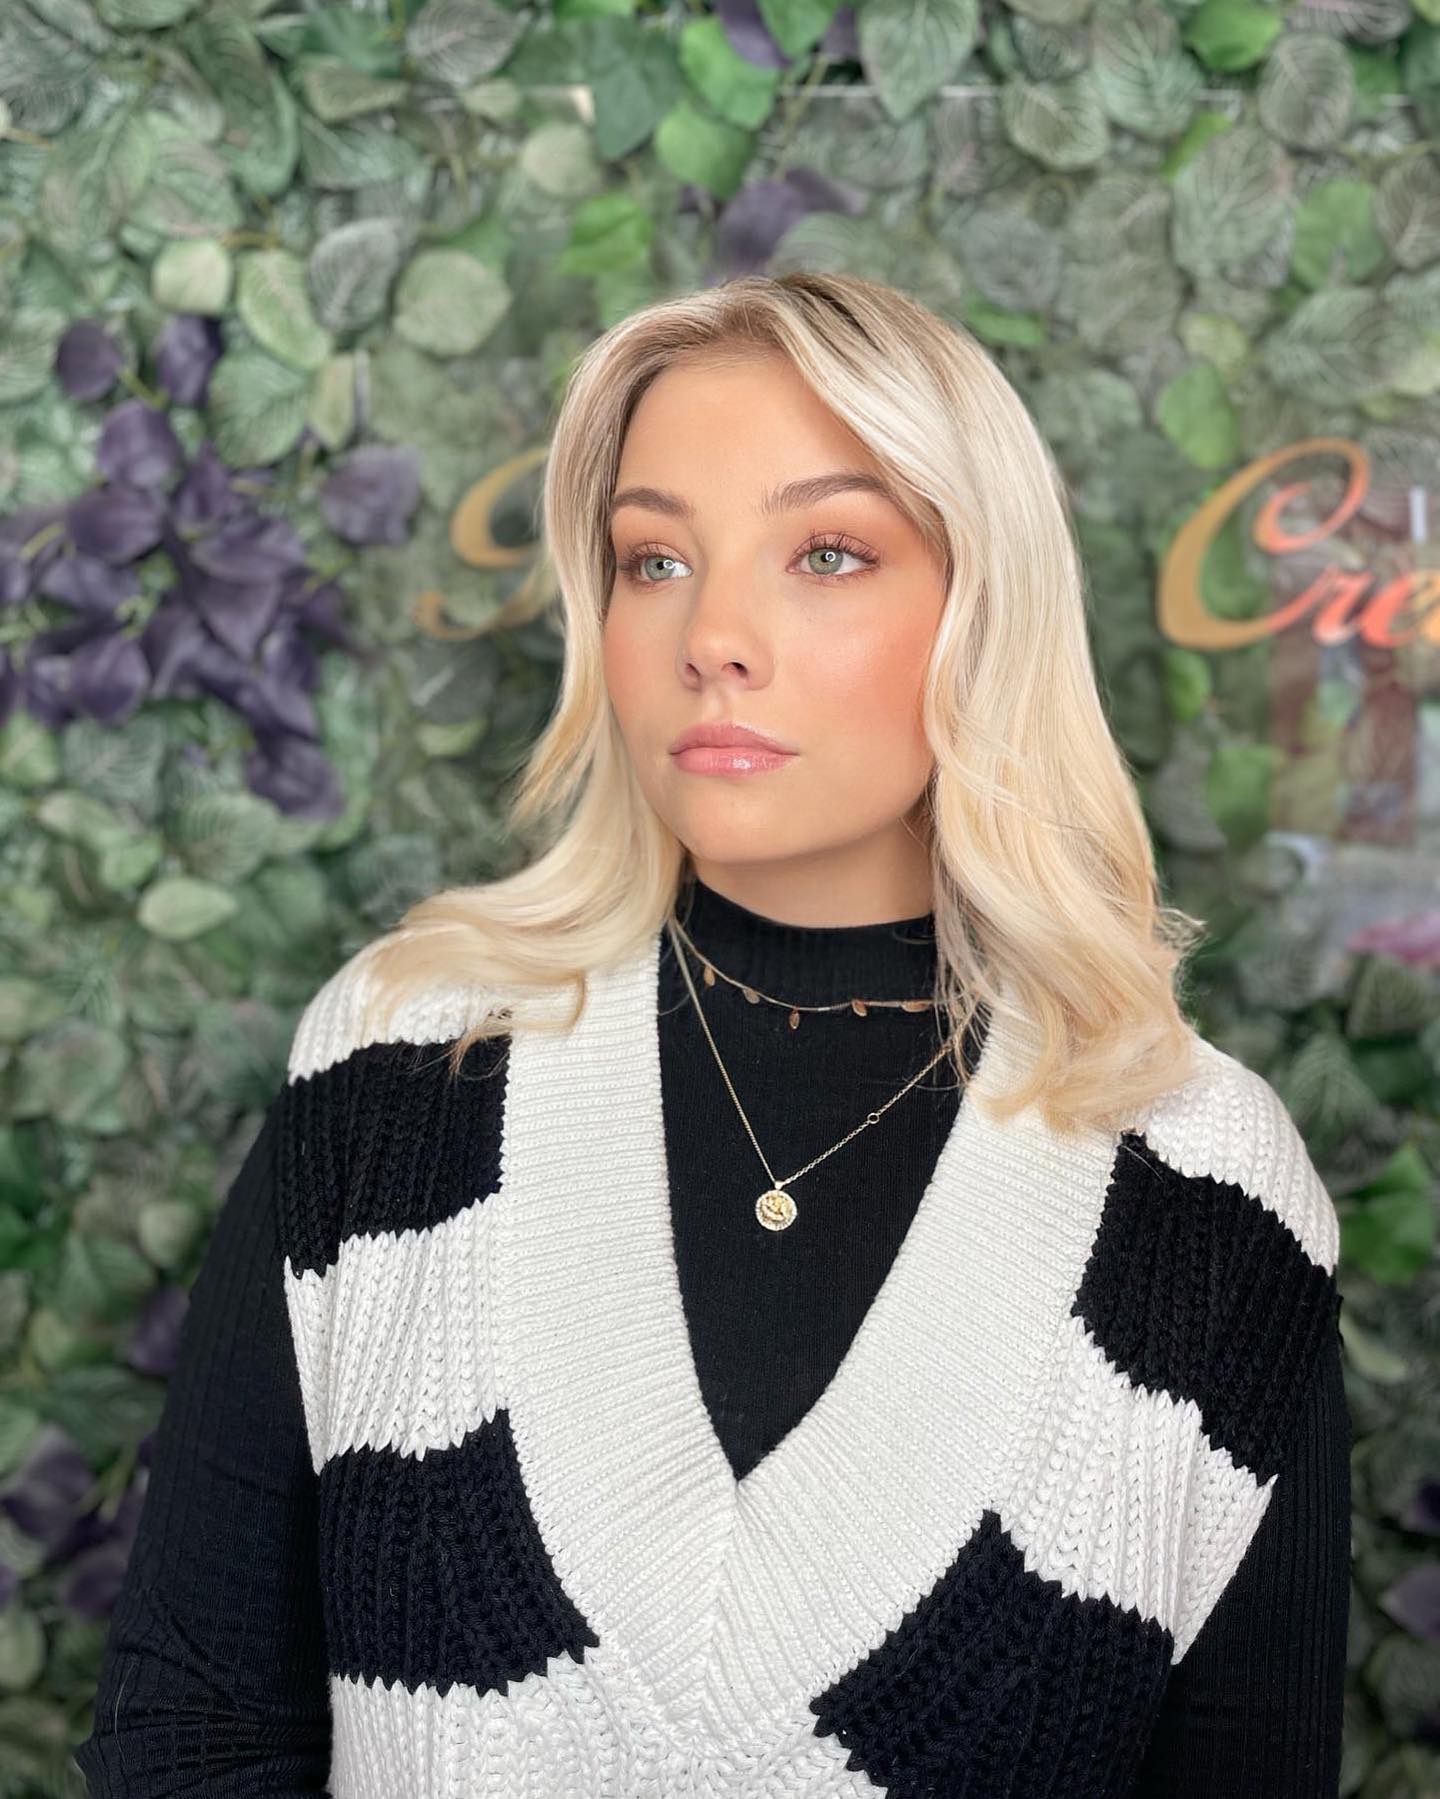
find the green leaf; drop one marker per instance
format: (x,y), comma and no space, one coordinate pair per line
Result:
(1306,94)
(101,1280)
(798,25)
(224,836)
(351,269)
(189,192)
(27,352)
(335,91)
(730,83)
(1233,34)
(178,907)
(256,407)
(68,1073)
(1187,682)
(633,79)
(22,1647)
(696,146)
(27,1007)
(105,1408)
(458,41)
(144,15)
(1390,1239)
(195,276)
(331,412)
(1237,790)
(1194,412)
(911,48)
(612,231)
(1147,82)
(1336,240)
(1369,1354)
(1407,210)
(274,304)
(1062,124)
(448,303)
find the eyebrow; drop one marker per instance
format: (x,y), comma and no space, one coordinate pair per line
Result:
(789,498)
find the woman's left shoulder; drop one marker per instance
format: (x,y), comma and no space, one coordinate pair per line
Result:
(1228,1125)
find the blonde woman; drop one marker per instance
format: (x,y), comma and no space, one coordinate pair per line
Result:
(774,1297)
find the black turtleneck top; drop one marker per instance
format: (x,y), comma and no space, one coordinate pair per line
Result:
(226,1536)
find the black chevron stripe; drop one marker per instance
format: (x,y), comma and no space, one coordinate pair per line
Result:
(433,1570)
(385,1140)
(999,1682)
(1195,1286)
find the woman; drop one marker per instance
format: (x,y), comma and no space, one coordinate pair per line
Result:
(773,1297)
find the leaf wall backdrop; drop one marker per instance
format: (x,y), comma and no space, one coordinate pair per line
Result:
(287,295)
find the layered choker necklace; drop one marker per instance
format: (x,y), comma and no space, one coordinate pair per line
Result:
(775,1208)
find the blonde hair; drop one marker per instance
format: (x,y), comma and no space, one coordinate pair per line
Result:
(1045,891)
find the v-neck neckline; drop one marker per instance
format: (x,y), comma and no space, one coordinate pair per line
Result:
(731,1602)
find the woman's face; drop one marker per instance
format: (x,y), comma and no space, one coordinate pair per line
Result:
(810,620)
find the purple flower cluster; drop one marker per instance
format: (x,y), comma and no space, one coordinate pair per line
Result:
(233,621)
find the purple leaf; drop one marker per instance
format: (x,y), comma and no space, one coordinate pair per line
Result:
(206,494)
(184,353)
(109,677)
(1413,1601)
(43,1498)
(753,223)
(239,613)
(93,1580)
(296,777)
(117,524)
(841,42)
(138,446)
(318,609)
(155,1342)
(88,361)
(14,576)
(29,525)
(250,547)
(88,584)
(1423,1511)
(175,643)
(749,35)
(371,498)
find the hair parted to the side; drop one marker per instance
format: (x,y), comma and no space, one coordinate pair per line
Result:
(1045,889)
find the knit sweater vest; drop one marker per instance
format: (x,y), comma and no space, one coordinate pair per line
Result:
(970,1563)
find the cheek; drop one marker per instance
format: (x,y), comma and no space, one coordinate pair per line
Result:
(624,654)
(870,683)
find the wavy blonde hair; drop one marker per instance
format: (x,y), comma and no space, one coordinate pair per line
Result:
(1045,889)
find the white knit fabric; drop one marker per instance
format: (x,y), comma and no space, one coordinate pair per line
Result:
(722,1607)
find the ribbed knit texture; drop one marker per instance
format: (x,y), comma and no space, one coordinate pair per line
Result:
(509,1454)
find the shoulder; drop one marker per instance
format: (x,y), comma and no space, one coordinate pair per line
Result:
(1228,1125)
(346,1013)
(377,1129)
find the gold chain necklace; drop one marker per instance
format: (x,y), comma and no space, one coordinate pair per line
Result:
(775,1208)
(859,1006)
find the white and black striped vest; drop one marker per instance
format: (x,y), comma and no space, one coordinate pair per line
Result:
(968,1568)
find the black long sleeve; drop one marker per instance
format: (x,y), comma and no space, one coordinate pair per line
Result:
(1256,1707)
(214,1675)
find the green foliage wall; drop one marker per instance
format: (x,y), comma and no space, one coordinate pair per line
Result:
(278,287)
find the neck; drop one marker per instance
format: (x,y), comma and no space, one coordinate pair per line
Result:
(808,964)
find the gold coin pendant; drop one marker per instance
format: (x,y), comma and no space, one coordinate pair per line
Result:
(775,1209)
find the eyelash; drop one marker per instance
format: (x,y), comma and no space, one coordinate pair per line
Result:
(822,540)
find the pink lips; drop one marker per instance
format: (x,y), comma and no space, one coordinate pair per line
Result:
(729,759)
(720,748)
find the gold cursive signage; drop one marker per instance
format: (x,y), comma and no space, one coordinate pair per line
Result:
(472,538)
(1338,598)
